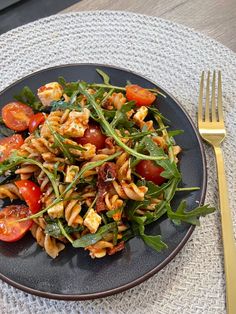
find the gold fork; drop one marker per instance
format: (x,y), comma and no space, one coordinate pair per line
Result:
(212,129)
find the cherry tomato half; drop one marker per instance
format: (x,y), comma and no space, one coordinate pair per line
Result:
(35,121)
(142,96)
(31,194)
(8,144)
(93,135)
(151,172)
(10,229)
(16,115)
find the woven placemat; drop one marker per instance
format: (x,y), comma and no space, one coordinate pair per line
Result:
(173,56)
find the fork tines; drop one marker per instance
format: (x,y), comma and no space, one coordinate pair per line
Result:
(213,109)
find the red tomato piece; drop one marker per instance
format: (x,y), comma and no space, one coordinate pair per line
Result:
(10,229)
(35,121)
(31,194)
(151,172)
(142,96)
(93,135)
(8,144)
(16,115)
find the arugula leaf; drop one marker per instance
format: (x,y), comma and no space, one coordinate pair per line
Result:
(90,239)
(72,230)
(110,213)
(170,168)
(63,231)
(192,216)
(105,77)
(115,235)
(61,80)
(99,95)
(109,86)
(68,87)
(188,189)
(97,85)
(153,241)
(128,234)
(153,190)
(156,112)
(132,206)
(26,96)
(121,119)
(169,140)
(63,105)
(53,229)
(104,219)
(59,142)
(74,146)
(169,190)
(109,114)
(10,163)
(138,135)
(79,175)
(175,132)
(71,88)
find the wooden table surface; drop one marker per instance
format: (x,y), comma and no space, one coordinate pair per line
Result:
(215,18)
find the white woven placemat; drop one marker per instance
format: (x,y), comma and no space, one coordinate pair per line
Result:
(173,56)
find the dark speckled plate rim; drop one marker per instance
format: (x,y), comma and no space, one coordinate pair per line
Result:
(82,297)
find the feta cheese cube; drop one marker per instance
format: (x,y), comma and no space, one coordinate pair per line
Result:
(76,123)
(56,211)
(92,220)
(141,114)
(49,92)
(71,171)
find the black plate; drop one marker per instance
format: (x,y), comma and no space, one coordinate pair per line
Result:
(74,275)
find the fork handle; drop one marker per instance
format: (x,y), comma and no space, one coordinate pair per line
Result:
(227,234)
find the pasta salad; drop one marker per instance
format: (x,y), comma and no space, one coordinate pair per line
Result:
(92,166)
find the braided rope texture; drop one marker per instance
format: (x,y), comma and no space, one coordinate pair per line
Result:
(173,56)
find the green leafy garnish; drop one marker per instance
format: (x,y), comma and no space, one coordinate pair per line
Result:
(154,190)
(64,233)
(59,142)
(26,96)
(155,112)
(68,87)
(192,216)
(170,168)
(175,133)
(53,229)
(16,160)
(76,180)
(120,119)
(110,213)
(106,80)
(154,241)
(63,105)
(105,77)
(109,130)
(90,239)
